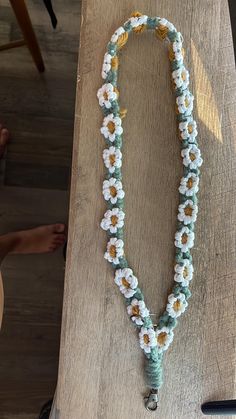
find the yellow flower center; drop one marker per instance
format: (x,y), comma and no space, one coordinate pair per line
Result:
(113,191)
(146,339)
(112,251)
(135,310)
(105,95)
(114,62)
(123,38)
(112,159)
(185,272)
(125,283)
(184,238)
(114,220)
(177,305)
(161,338)
(190,128)
(162,31)
(111,126)
(190,183)
(186,102)
(188,211)
(192,156)
(183,75)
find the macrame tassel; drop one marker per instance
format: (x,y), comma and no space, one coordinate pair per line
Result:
(153,371)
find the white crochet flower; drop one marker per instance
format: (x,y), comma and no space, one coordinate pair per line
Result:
(164,337)
(115,250)
(136,21)
(169,25)
(106,94)
(189,184)
(126,281)
(113,219)
(181,78)
(111,127)
(184,239)
(106,65)
(184,272)
(188,129)
(137,310)
(191,157)
(112,158)
(177,48)
(176,305)
(147,339)
(188,212)
(117,33)
(185,105)
(112,190)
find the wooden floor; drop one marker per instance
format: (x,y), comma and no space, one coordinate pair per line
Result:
(35,176)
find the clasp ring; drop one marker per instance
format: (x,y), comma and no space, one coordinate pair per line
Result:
(151,401)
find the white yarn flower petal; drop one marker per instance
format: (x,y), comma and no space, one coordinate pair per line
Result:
(112,157)
(115,250)
(192,156)
(112,190)
(177,47)
(111,127)
(181,78)
(106,95)
(184,272)
(126,282)
(169,25)
(188,212)
(113,219)
(164,337)
(188,129)
(185,106)
(137,310)
(147,339)
(189,184)
(176,305)
(106,67)
(136,21)
(117,33)
(184,239)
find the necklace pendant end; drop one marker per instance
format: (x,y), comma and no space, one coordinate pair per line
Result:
(151,401)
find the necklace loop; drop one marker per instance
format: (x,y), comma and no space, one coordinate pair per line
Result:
(155,338)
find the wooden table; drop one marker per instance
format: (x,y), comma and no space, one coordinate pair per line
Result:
(100,372)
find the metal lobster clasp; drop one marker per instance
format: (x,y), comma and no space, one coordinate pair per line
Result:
(151,401)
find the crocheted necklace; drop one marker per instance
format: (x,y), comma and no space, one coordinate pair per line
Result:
(154,339)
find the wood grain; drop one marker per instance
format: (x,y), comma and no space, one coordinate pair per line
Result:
(100,372)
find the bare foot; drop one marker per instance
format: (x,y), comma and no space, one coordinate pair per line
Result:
(4,138)
(42,239)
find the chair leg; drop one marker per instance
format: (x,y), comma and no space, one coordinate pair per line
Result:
(25,24)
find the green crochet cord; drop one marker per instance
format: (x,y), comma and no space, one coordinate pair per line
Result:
(154,340)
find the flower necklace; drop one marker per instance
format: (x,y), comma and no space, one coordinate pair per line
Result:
(154,339)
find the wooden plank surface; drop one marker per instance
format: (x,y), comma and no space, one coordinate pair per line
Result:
(100,372)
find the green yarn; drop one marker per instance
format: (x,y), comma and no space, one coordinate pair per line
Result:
(152,22)
(153,371)
(139,294)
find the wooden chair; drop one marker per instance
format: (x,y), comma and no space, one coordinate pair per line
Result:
(29,37)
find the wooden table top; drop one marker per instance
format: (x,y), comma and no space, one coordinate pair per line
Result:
(100,371)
